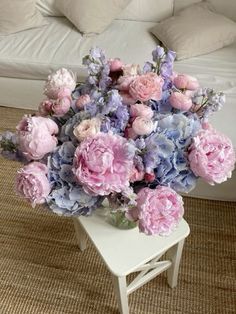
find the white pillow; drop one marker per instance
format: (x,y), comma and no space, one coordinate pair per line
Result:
(195,31)
(19,15)
(48,8)
(91,16)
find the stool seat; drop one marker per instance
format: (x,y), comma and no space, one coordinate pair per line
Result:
(128,251)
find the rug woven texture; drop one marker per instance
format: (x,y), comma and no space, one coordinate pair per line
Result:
(42,270)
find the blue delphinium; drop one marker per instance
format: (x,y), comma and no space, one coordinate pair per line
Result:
(67,196)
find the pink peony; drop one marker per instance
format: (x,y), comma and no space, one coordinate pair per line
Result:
(103,163)
(115,65)
(36,136)
(45,108)
(87,128)
(146,86)
(61,106)
(212,156)
(82,101)
(183,81)
(142,126)
(158,211)
(60,84)
(32,183)
(141,110)
(180,101)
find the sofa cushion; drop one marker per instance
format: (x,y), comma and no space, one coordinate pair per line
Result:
(147,10)
(91,16)
(195,30)
(16,16)
(34,53)
(48,8)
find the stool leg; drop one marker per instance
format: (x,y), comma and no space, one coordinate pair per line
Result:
(120,288)
(174,254)
(80,235)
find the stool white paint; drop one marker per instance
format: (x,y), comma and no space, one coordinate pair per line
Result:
(128,251)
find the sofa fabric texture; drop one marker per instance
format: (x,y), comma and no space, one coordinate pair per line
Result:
(91,16)
(48,8)
(194,31)
(17,15)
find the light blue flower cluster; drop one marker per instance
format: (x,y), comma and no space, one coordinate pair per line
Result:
(67,197)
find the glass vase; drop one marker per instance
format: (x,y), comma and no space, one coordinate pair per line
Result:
(119,220)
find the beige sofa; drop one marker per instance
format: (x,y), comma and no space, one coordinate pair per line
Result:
(26,58)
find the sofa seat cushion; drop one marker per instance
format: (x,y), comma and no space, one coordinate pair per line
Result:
(217,70)
(33,54)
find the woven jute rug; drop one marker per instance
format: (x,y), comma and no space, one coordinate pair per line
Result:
(42,270)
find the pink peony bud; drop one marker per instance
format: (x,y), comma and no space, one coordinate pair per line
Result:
(183,81)
(61,106)
(142,126)
(141,110)
(115,64)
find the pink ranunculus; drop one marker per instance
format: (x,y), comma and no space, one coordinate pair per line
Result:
(146,86)
(212,156)
(180,101)
(60,84)
(45,107)
(124,82)
(143,126)
(141,110)
(115,64)
(183,81)
(103,163)
(86,128)
(36,136)
(61,106)
(158,211)
(82,101)
(32,183)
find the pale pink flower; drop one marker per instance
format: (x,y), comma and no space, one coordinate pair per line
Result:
(136,175)
(142,126)
(180,101)
(124,82)
(131,69)
(32,183)
(61,106)
(183,81)
(212,156)
(141,110)
(115,64)
(60,84)
(103,163)
(158,211)
(146,86)
(45,107)
(36,136)
(87,128)
(82,101)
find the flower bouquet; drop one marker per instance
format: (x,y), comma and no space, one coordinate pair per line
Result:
(134,137)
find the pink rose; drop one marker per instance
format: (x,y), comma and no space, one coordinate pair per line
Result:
(103,163)
(158,211)
(146,86)
(82,101)
(142,126)
(115,65)
(60,84)
(212,156)
(36,136)
(32,183)
(183,81)
(87,128)
(180,101)
(141,110)
(61,106)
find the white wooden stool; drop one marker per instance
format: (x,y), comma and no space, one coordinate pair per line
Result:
(128,251)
